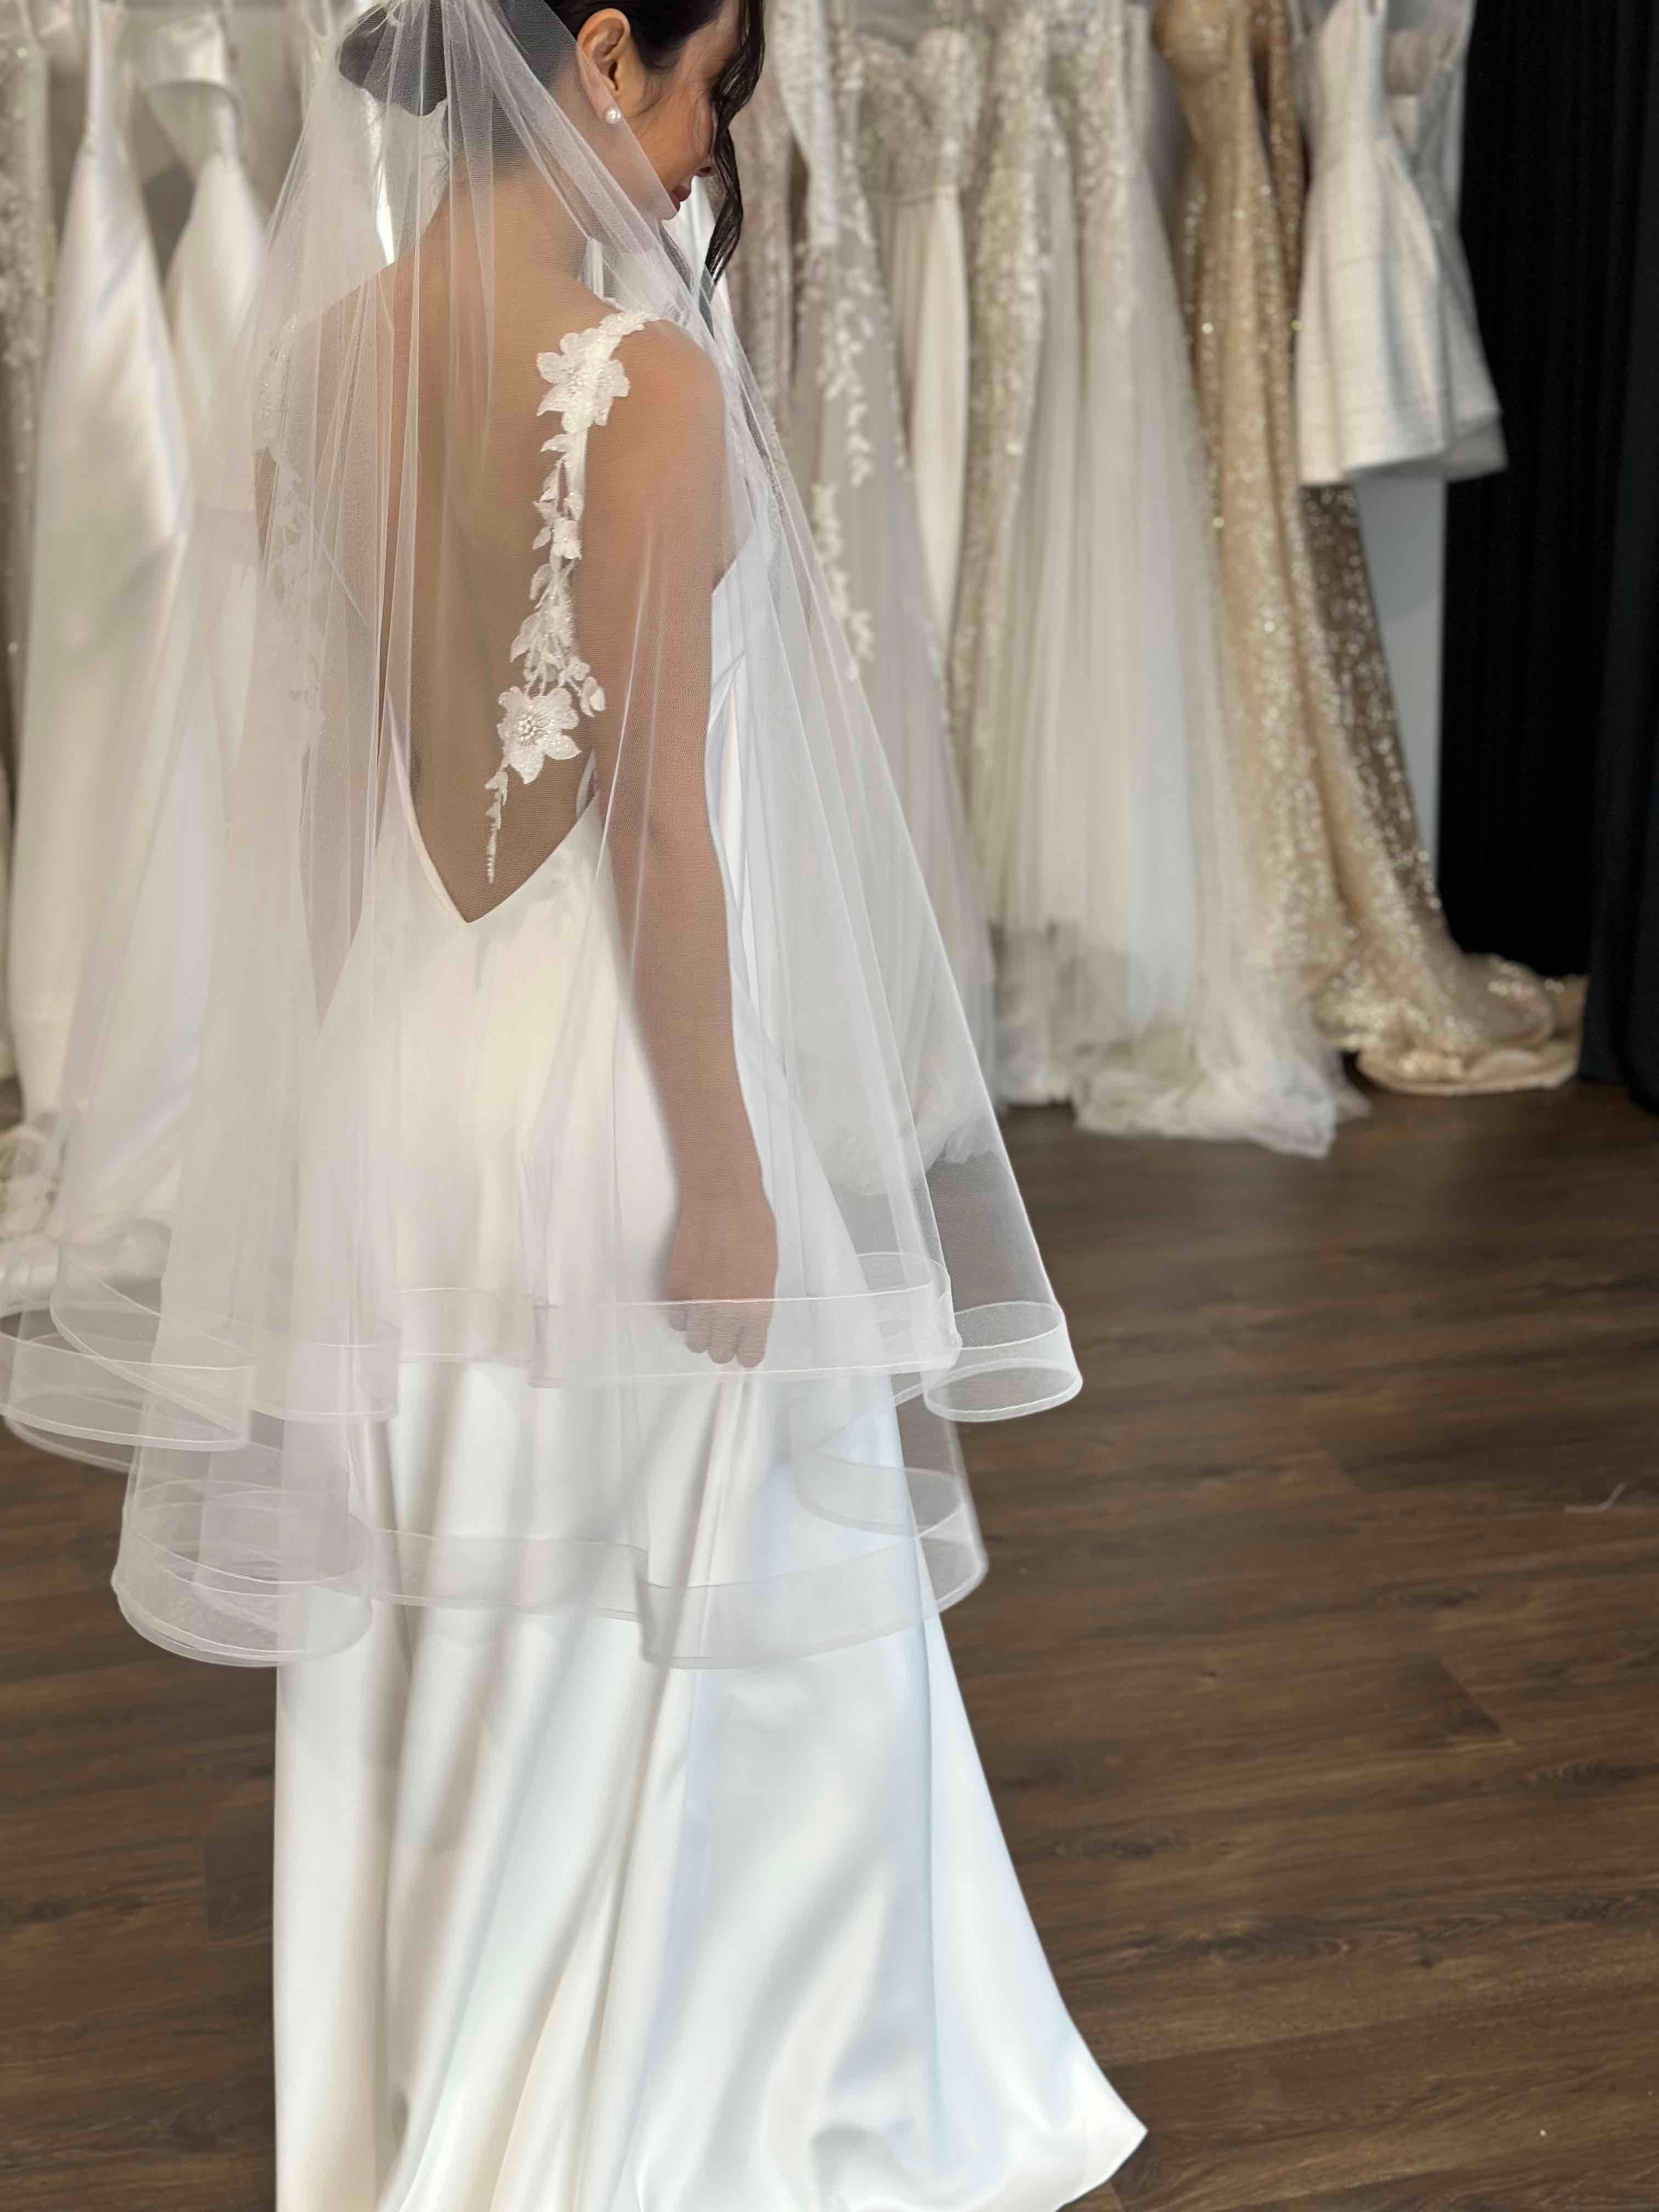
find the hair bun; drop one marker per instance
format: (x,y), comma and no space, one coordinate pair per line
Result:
(390,65)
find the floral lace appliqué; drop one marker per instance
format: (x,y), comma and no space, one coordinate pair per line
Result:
(584,380)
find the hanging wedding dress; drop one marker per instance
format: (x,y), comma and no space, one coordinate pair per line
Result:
(920,116)
(586,1223)
(846,441)
(26,247)
(1131,975)
(1425,68)
(113,484)
(1020,191)
(115,768)
(759,282)
(1352,895)
(184,68)
(1390,371)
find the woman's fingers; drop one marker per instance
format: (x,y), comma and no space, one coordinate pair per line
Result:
(726,1331)
(751,1347)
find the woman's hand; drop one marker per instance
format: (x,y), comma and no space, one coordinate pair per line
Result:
(722,1271)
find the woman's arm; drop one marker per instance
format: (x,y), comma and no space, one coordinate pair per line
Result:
(652,538)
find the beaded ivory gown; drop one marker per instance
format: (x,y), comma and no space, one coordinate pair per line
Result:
(558,1929)
(1425,68)
(847,446)
(1354,907)
(1090,648)
(1389,370)
(921,115)
(1009,651)
(760,278)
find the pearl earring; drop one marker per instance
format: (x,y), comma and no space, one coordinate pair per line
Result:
(613,116)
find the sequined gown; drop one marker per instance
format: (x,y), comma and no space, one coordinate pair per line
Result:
(25,273)
(1009,659)
(1354,904)
(760,280)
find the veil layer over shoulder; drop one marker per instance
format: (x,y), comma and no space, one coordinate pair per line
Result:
(563,1178)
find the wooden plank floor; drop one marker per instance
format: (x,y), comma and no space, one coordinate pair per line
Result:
(1315,1678)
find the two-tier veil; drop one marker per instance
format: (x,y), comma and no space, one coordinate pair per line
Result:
(555,868)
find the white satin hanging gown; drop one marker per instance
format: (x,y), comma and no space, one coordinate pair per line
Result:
(185,68)
(1390,369)
(560,1930)
(111,515)
(1425,68)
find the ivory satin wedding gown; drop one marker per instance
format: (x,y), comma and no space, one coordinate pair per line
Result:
(184,67)
(113,478)
(133,388)
(559,1930)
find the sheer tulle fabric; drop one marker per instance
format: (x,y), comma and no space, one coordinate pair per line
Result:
(555,866)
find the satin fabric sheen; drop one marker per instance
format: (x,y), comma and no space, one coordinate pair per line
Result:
(559,1930)
(1388,367)
(113,493)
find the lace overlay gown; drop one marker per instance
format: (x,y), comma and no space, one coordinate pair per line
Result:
(1354,904)
(846,446)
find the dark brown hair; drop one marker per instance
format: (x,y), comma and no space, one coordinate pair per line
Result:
(660,29)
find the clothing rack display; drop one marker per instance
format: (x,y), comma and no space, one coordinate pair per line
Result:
(1159,804)
(161,242)
(1163,758)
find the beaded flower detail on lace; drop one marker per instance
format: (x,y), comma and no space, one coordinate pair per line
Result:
(584,380)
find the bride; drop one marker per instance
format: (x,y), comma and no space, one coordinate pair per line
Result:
(536,1329)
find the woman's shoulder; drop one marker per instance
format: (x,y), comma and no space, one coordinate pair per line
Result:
(669,388)
(674,385)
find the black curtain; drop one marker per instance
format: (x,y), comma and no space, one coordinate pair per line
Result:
(1554,136)
(1621,1026)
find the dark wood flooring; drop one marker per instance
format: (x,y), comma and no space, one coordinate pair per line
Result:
(1317,1679)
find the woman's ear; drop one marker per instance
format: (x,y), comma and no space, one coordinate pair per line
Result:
(606,42)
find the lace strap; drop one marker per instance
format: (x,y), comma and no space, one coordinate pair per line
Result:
(584,381)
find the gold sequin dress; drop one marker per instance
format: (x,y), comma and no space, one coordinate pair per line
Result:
(1352,903)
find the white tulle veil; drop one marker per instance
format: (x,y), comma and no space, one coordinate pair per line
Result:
(416,1125)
